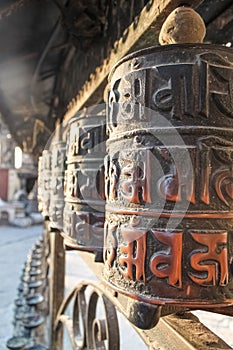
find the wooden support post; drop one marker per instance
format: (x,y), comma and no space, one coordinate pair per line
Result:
(56,286)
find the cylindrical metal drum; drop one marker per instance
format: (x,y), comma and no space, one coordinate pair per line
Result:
(44,182)
(84,212)
(169,176)
(40,182)
(57,184)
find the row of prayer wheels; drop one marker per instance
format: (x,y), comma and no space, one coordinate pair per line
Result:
(148,185)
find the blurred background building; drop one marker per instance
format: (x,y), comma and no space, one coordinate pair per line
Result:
(18,175)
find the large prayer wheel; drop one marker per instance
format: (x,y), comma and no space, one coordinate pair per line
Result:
(84,210)
(169,176)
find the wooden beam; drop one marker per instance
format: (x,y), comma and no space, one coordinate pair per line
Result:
(143,32)
(12,8)
(56,285)
(223,25)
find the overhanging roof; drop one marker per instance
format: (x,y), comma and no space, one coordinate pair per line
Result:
(50,48)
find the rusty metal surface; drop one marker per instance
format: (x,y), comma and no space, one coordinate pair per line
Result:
(168,235)
(84,210)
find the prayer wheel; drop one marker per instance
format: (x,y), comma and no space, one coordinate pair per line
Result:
(84,211)
(57,184)
(169,176)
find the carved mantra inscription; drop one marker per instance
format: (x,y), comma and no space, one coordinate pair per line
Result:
(168,264)
(85,227)
(187,89)
(85,184)
(170,173)
(86,140)
(205,264)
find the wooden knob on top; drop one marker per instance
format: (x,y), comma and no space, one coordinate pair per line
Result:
(183,25)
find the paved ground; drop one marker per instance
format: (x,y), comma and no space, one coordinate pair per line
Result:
(14,246)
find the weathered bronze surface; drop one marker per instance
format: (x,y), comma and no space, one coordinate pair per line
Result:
(169,212)
(44,182)
(84,210)
(57,184)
